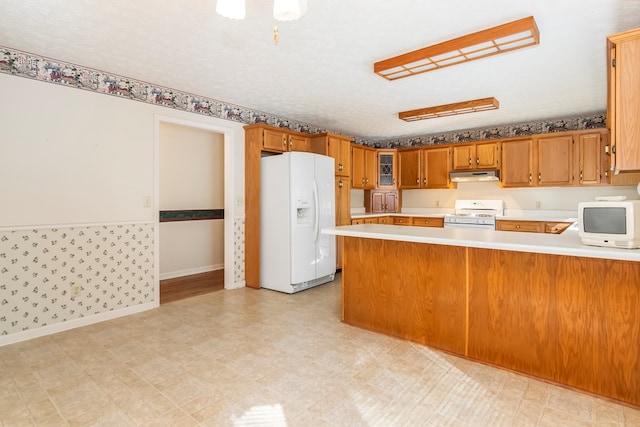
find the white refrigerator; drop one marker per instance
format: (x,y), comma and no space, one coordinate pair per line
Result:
(297,201)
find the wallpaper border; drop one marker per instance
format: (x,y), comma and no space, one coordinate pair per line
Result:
(42,68)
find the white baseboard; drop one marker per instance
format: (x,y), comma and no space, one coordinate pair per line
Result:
(190,271)
(75,323)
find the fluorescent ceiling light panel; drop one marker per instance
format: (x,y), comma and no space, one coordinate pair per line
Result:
(454,109)
(492,41)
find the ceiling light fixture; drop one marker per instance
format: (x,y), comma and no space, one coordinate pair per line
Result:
(283,10)
(492,41)
(450,109)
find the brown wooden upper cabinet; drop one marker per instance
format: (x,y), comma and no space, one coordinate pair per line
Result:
(387,169)
(363,167)
(554,161)
(623,106)
(424,168)
(517,163)
(336,146)
(575,158)
(280,140)
(481,155)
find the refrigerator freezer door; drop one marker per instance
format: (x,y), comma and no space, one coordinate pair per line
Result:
(325,258)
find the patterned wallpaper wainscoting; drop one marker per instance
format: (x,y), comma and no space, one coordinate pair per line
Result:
(54,275)
(238,251)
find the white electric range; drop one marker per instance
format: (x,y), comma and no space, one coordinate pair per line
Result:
(480,214)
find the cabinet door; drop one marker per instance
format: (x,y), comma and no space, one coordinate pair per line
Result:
(299,143)
(464,157)
(357,167)
(555,161)
(343,201)
(377,201)
(436,167)
(409,169)
(517,163)
(624,89)
(386,169)
(369,168)
(487,155)
(340,150)
(273,140)
(391,202)
(589,159)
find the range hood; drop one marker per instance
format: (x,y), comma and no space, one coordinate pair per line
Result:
(475,176)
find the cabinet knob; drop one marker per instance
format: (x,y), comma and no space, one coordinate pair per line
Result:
(539,177)
(424,181)
(477,161)
(530,178)
(340,184)
(469,161)
(517,226)
(340,167)
(417,180)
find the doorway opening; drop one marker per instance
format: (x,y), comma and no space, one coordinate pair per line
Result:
(194,187)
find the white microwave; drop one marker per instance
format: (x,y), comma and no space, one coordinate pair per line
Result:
(611,223)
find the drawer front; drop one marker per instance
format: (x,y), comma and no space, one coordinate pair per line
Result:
(357,221)
(371,220)
(524,226)
(556,227)
(402,220)
(428,222)
(385,220)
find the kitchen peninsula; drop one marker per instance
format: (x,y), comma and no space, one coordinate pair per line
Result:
(540,304)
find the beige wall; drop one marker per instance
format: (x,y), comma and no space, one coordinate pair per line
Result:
(191,166)
(76,168)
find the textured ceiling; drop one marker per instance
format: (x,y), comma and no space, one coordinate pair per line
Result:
(321,71)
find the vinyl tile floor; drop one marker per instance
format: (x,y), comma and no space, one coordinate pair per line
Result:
(250,357)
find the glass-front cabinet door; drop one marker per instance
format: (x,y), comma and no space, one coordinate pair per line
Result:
(387,169)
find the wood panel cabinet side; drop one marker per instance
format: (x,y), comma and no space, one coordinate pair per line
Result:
(252,155)
(570,320)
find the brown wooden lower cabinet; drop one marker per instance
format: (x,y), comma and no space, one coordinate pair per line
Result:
(398,292)
(570,320)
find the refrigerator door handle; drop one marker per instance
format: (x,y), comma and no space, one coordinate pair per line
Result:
(316,220)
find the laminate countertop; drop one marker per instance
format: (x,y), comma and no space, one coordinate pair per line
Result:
(566,243)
